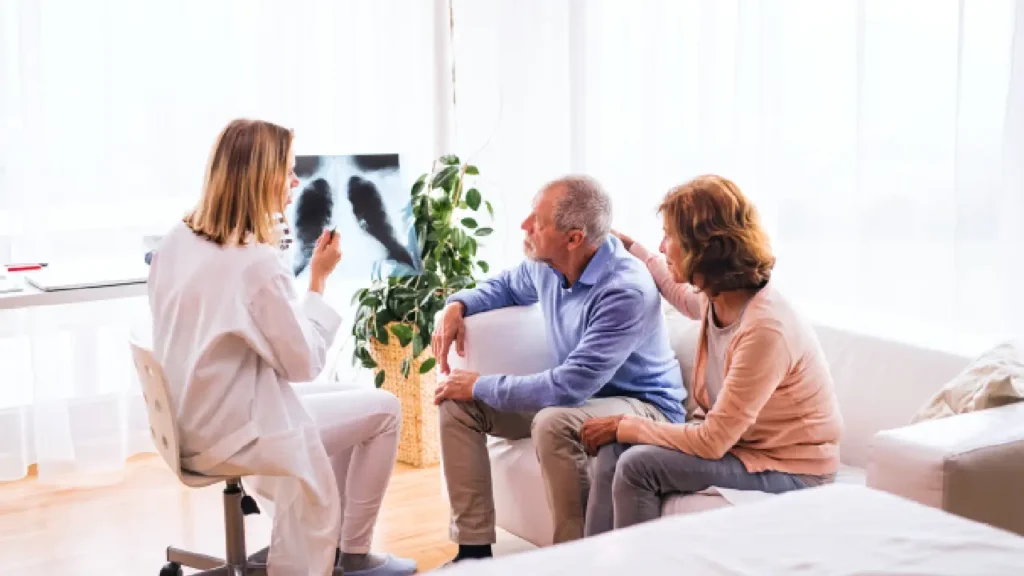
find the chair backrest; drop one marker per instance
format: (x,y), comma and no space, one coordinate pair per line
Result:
(163,426)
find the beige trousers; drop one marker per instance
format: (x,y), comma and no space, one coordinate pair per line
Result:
(563,462)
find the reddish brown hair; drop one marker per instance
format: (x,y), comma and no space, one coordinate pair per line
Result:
(719,232)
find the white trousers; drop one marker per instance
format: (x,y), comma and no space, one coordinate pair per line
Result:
(359,430)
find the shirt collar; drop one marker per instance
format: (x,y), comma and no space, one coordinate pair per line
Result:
(598,265)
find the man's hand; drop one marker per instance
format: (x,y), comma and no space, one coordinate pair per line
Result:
(452,328)
(458,386)
(597,432)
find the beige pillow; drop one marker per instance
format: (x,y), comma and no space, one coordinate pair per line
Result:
(993,379)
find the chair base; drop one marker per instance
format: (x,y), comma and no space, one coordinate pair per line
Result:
(211,566)
(236,506)
(208,565)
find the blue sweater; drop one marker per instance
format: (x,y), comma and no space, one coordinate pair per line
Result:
(606,331)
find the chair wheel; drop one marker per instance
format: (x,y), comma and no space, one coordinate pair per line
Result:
(170,569)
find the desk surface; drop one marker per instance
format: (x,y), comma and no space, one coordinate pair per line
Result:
(30,296)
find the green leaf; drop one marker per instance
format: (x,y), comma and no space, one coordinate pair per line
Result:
(378,381)
(473,198)
(472,170)
(427,299)
(427,366)
(490,209)
(469,223)
(403,309)
(359,295)
(368,363)
(483,266)
(451,185)
(380,329)
(460,282)
(483,231)
(371,302)
(442,176)
(421,241)
(403,333)
(433,281)
(405,368)
(417,187)
(450,159)
(417,346)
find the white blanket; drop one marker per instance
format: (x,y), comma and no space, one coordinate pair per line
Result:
(835,530)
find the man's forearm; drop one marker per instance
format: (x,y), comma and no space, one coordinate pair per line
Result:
(508,393)
(510,288)
(560,386)
(474,301)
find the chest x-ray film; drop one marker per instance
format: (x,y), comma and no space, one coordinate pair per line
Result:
(366,198)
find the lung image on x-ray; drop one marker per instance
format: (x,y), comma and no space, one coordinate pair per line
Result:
(365,197)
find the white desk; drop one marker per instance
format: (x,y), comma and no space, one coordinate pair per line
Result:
(92,272)
(30,296)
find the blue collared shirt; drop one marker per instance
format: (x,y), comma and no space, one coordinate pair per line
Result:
(606,331)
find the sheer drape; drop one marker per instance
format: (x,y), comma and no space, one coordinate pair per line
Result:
(108,110)
(882,140)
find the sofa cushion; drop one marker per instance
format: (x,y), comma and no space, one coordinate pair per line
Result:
(691,503)
(521,505)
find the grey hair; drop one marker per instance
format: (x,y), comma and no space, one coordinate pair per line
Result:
(584,206)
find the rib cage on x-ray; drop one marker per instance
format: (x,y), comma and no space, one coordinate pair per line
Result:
(365,198)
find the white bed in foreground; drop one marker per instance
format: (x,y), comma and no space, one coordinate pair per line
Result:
(835,530)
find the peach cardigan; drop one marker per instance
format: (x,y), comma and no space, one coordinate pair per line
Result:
(777,409)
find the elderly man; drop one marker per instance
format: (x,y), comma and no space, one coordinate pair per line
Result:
(605,327)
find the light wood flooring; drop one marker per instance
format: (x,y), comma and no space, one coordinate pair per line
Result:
(121,523)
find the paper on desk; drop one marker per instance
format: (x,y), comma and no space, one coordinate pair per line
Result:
(11,284)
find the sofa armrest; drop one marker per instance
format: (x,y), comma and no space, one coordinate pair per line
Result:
(971,465)
(505,341)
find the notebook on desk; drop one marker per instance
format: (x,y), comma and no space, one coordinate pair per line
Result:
(57,277)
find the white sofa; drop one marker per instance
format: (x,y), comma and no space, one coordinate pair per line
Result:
(880,385)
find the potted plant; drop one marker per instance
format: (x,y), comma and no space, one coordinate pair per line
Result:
(394,318)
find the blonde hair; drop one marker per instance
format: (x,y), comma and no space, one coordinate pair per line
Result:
(245,184)
(720,234)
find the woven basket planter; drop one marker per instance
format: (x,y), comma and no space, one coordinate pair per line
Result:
(419,443)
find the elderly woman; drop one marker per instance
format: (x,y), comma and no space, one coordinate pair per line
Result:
(771,419)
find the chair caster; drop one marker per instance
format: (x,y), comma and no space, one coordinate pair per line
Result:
(171,569)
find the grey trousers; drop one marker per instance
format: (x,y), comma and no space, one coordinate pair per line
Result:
(630,481)
(563,461)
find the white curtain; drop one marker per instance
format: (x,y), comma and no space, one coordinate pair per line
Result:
(108,109)
(882,140)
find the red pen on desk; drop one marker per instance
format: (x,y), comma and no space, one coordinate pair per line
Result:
(25,267)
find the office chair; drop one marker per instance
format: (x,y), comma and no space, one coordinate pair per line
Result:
(164,430)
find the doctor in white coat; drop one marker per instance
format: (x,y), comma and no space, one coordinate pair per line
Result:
(233,335)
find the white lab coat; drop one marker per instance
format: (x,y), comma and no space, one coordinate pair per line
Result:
(232,334)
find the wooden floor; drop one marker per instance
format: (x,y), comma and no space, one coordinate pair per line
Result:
(121,523)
